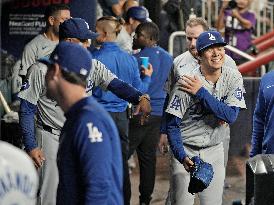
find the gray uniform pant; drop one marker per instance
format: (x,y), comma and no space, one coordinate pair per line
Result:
(48,173)
(179,179)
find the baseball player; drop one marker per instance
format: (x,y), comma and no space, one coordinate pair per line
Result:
(50,118)
(209,96)
(187,62)
(19,179)
(89,155)
(42,45)
(263,118)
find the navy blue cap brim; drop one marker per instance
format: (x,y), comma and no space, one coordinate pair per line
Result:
(213,44)
(91,35)
(45,61)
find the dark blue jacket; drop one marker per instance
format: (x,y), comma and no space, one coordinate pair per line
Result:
(162,63)
(125,67)
(89,157)
(263,118)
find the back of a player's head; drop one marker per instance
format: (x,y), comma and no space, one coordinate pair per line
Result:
(110,24)
(150,29)
(75,28)
(197,22)
(138,13)
(53,9)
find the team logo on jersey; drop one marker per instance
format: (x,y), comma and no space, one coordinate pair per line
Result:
(89,86)
(211,37)
(176,103)
(238,94)
(25,85)
(94,134)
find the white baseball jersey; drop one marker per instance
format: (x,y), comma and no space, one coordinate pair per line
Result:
(185,63)
(198,127)
(37,48)
(18,177)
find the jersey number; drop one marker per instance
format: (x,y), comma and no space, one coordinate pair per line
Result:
(94,134)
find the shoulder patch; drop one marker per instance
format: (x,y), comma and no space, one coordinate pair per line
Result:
(176,103)
(94,134)
(238,94)
(25,85)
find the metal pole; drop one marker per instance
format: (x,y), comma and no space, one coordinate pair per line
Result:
(171,40)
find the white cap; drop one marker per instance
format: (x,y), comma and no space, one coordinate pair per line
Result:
(18,177)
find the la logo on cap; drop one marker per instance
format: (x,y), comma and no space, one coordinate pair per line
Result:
(87,24)
(211,37)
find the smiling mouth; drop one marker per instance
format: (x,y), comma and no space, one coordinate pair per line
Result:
(216,60)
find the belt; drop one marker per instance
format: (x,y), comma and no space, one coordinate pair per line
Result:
(50,129)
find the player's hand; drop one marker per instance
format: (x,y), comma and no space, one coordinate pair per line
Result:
(163,144)
(144,108)
(188,164)
(235,13)
(147,71)
(37,156)
(190,84)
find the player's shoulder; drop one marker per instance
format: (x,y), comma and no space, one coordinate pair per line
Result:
(36,41)
(230,73)
(37,68)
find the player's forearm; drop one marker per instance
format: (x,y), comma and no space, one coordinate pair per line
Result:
(26,121)
(124,91)
(174,137)
(163,128)
(258,130)
(222,111)
(143,84)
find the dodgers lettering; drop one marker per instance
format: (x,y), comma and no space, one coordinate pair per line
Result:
(176,103)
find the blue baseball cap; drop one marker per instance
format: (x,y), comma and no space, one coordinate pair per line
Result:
(76,28)
(208,39)
(71,57)
(139,13)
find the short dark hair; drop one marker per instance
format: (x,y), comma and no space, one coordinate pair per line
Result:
(52,9)
(74,78)
(151,30)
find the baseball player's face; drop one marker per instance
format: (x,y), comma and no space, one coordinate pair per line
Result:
(50,82)
(213,58)
(60,17)
(192,34)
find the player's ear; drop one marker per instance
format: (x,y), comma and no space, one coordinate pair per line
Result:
(51,20)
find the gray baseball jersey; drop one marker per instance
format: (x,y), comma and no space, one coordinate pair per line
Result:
(34,91)
(198,127)
(18,176)
(37,48)
(179,67)
(99,76)
(124,40)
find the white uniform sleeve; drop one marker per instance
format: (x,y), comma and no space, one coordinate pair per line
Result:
(99,76)
(235,95)
(179,102)
(28,58)
(34,85)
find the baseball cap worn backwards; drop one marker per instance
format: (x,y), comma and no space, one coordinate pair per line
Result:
(71,57)
(139,13)
(208,39)
(76,28)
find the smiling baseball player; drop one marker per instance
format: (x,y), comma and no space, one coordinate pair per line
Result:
(210,96)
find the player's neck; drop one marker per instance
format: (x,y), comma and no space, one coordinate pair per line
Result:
(70,98)
(211,75)
(51,36)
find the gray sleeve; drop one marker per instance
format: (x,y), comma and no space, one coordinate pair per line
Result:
(99,76)
(29,56)
(178,103)
(235,95)
(34,85)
